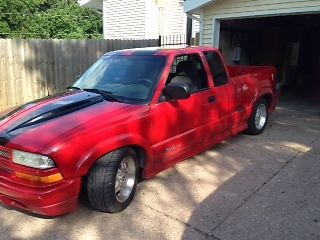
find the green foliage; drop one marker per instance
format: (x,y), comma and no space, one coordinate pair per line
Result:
(63,19)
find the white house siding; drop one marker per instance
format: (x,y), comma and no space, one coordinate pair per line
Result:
(172,17)
(151,19)
(250,8)
(124,19)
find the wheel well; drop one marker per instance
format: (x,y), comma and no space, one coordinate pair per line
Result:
(142,155)
(268,97)
(140,151)
(142,158)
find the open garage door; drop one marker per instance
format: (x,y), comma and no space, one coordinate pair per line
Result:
(290,43)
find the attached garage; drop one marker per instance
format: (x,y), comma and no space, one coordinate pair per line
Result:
(281,33)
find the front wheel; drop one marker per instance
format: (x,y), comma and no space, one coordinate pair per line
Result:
(113,180)
(259,117)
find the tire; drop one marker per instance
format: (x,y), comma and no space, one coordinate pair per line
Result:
(112,181)
(259,117)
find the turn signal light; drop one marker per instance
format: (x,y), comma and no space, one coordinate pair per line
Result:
(47,179)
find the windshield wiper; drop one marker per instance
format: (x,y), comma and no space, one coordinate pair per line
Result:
(107,95)
(73,88)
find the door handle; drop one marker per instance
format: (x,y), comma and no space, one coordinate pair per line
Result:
(211,99)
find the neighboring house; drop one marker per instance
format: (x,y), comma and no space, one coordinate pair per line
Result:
(141,19)
(285,34)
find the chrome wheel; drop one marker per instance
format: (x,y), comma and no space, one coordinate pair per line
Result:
(125,179)
(261,116)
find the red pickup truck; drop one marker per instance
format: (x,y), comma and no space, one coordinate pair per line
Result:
(133,114)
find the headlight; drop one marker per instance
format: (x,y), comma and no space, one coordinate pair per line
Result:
(32,160)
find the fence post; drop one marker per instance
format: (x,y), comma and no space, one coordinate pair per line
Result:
(159,42)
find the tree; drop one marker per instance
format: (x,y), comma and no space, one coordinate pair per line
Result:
(48,19)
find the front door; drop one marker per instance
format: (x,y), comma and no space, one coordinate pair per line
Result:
(180,125)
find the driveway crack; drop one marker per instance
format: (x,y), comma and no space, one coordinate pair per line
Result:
(315,140)
(206,235)
(295,125)
(309,151)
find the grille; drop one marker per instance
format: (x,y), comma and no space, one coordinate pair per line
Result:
(4,154)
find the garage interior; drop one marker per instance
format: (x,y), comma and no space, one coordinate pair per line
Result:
(290,43)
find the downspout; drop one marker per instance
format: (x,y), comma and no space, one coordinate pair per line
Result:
(200,20)
(104,24)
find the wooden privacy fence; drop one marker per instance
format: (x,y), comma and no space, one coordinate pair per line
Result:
(31,69)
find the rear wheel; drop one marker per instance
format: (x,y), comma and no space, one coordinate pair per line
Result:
(113,180)
(259,118)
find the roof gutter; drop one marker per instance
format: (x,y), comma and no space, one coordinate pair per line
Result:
(189,15)
(192,5)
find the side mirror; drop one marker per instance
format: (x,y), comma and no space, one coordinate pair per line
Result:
(177,91)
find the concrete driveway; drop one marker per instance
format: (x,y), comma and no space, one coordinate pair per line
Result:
(250,187)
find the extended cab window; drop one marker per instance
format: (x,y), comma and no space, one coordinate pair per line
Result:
(217,68)
(191,68)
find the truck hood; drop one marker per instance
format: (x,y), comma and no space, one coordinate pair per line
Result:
(31,126)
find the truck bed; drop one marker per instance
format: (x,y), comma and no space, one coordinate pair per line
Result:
(237,71)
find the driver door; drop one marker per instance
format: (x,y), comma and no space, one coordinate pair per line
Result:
(180,125)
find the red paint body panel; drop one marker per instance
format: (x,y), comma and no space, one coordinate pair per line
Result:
(168,132)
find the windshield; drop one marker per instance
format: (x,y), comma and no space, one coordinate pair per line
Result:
(130,78)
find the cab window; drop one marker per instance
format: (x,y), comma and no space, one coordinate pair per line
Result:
(189,69)
(217,68)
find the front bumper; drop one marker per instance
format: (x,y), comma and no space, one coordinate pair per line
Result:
(54,200)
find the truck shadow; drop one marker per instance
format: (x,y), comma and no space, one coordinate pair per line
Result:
(275,201)
(275,194)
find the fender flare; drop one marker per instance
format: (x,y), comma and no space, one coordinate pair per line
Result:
(89,157)
(262,92)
